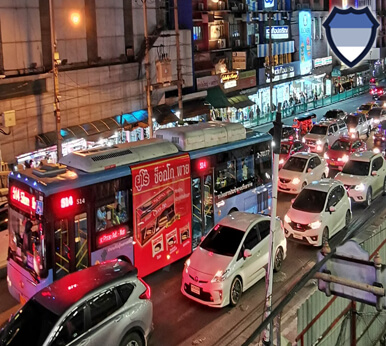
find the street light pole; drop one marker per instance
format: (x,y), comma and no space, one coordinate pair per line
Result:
(147,69)
(55,72)
(179,70)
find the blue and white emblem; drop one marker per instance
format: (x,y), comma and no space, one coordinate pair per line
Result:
(351,33)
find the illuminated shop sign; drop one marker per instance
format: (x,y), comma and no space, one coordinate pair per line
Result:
(282,72)
(23,200)
(305,42)
(269,3)
(230,76)
(323,61)
(278,32)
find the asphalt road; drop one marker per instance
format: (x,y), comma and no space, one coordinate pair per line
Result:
(179,321)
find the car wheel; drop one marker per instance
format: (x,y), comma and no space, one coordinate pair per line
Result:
(384,187)
(236,291)
(325,236)
(348,218)
(278,259)
(369,197)
(132,339)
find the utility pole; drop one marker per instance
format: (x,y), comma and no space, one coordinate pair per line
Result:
(179,71)
(268,332)
(147,69)
(55,72)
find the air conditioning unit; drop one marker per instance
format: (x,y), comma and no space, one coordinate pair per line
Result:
(221,43)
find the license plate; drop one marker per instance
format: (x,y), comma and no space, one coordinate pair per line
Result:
(297,236)
(195,289)
(23,300)
(332,163)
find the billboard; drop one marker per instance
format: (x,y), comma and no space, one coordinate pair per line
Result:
(305,42)
(162,207)
(278,32)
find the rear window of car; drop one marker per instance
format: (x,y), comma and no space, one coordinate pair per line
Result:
(364,107)
(331,114)
(311,201)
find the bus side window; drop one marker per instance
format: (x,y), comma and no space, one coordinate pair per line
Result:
(245,169)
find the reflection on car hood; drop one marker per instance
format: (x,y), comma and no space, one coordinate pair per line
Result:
(315,136)
(208,262)
(286,174)
(302,217)
(349,179)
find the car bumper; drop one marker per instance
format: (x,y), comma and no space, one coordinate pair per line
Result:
(210,294)
(289,187)
(310,236)
(317,148)
(357,196)
(335,164)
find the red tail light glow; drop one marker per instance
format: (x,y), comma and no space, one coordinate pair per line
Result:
(147,293)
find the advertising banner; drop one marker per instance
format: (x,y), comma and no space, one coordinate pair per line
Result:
(305,42)
(278,32)
(161,213)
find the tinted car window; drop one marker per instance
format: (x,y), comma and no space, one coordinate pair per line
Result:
(356,168)
(311,201)
(72,328)
(319,130)
(285,148)
(296,164)
(341,146)
(317,161)
(377,164)
(331,114)
(352,121)
(124,292)
(252,239)
(364,107)
(333,198)
(223,240)
(30,325)
(264,228)
(311,163)
(102,306)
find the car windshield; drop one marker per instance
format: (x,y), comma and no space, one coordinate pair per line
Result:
(331,114)
(341,146)
(364,107)
(30,325)
(311,201)
(296,164)
(356,168)
(375,112)
(319,130)
(223,240)
(285,148)
(352,120)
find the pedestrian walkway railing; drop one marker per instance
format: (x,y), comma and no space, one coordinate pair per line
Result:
(300,108)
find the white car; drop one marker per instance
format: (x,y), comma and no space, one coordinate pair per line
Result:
(231,258)
(364,176)
(300,170)
(320,210)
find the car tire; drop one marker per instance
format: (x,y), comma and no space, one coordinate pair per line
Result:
(236,291)
(348,218)
(325,236)
(369,197)
(132,339)
(384,188)
(279,257)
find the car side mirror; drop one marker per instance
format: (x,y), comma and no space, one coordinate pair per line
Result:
(331,209)
(374,173)
(247,253)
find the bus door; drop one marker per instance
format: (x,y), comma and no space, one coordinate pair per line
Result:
(203,214)
(71,245)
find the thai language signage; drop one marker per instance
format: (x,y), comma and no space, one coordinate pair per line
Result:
(161,213)
(207,82)
(269,3)
(305,42)
(277,32)
(239,60)
(323,61)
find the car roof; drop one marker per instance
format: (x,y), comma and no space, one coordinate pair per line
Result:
(241,220)
(304,155)
(323,185)
(59,296)
(364,156)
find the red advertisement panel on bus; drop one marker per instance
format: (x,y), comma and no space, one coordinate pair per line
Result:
(161,213)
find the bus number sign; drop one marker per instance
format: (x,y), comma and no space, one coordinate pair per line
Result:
(23,199)
(70,201)
(111,236)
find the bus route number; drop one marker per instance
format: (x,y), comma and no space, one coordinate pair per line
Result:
(80,201)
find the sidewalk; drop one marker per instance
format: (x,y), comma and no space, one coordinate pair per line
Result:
(3,253)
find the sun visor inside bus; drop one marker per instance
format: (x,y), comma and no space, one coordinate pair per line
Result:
(202,135)
(102,158)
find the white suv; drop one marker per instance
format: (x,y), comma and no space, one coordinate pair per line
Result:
(320,210)
(358,124)
(364,176)
(324,134)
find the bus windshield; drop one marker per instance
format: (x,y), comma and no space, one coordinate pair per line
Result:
(26,242)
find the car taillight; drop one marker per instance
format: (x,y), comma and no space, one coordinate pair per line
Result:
(147,293)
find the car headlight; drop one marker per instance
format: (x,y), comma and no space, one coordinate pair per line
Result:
(376,121)
(287,218)
(326,156)
(315,225)
(376,150)
(360,187)
(352,130)
(186,265)
(319,142)
(220,276)
(281,161)
(295,181)
(345,158)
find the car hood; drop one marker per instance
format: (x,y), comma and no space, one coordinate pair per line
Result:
(208,262)
(349,179)
(283,173)
(302,217)
(315,136)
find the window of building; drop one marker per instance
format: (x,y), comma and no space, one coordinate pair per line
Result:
(197,33)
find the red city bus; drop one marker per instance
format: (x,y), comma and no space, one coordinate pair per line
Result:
(139,200)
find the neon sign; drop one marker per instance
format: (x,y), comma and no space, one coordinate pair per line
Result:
(111,236)
(202,165)
(66,202)
(23,199)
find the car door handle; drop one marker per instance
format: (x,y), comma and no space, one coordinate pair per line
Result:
(117,319)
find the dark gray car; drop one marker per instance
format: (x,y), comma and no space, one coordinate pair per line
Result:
(335,114)
(106,304)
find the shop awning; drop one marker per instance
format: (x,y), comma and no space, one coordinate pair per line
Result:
(240,101)
(193,108)
(217,98)
(163,115)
